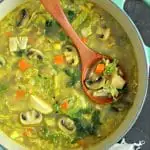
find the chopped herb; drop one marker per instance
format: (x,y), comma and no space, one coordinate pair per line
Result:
(44,84)
(110,68)
(63,36)
(83,128)
(71,15)
(55,137)
(56,107)
(74,74)
(96,121)
(124,90)
(51,27)
(86,127)
(20,53)
(44,133)
(3,88)
(48,23)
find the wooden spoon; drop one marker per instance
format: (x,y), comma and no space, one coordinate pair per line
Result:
(87,56)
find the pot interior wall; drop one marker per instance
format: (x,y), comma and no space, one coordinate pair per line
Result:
(8,5)
(140,55)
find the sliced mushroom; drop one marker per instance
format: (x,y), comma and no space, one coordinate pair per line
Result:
(40,105)
(35,54)
(22,18)
(2,61)
(71,55)
(94,81)
(31,117)
(17,43)
(95,85)
(103,33)
(67,125)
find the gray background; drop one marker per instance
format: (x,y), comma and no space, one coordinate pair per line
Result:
(140,14)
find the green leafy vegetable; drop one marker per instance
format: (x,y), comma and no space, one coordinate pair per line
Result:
(44,85)
(81,112)
(83,128)
(80,19)
(96,121)
(51,27)
(74,74)
(44,133)
(20,53)
(86,127)
(63,36)
(124,90)
(56,107)
(70,15)
(56,137)
(3,88)
(111,67)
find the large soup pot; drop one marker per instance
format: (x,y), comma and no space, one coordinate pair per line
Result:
(141,51)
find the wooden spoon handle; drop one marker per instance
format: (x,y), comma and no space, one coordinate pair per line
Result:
(54,8)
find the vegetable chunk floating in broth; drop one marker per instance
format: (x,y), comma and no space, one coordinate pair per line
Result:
(40,88)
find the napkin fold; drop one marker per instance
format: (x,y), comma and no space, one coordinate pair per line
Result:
(125,146)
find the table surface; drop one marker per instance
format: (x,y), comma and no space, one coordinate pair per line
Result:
(140,14)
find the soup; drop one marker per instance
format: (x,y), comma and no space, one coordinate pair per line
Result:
(43,105)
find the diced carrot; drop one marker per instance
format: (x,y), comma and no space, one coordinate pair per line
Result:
(8,34)
(20,94)
(84,40)
(65,105)
(59,59)
(31,40)
(27,132)
(23,65)
(99,68)
(29,129)
(82,143)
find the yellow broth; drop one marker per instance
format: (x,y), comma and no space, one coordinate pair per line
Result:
(41,75)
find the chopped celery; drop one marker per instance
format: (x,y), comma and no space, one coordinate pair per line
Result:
(80,19)
(3,88)
(87,31)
